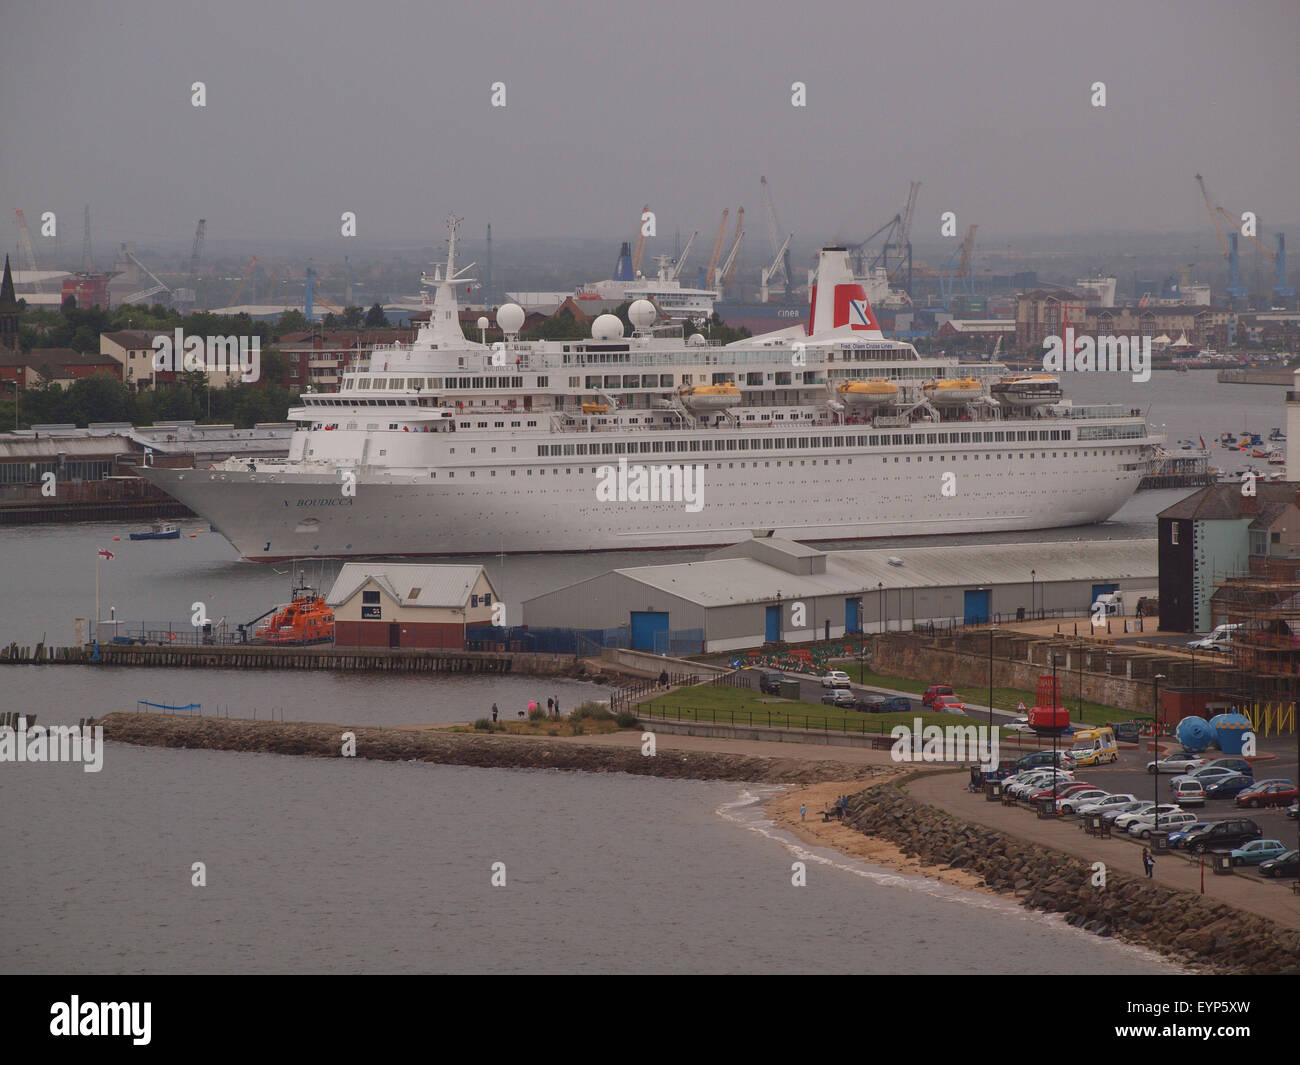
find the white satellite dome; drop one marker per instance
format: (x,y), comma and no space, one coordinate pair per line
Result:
(510,317)
(607,327)
(697,340)
(642,314)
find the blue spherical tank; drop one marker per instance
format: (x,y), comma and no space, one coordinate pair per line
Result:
(1195,734)
(1231,729)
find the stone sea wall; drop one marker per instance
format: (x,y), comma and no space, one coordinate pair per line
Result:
(1175,923)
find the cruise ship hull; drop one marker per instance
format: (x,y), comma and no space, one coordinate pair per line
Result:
(294,515)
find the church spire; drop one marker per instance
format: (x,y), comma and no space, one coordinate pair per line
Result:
(9,311)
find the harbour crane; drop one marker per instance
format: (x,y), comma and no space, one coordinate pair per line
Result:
(196,252)
(681,259)
(858,252)
(640,242)
(145,293)
(901,273)
(728,269)
(234,300)
(717,248)
(28,252)
(780,250)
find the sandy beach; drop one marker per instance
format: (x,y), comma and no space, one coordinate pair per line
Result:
(783,810)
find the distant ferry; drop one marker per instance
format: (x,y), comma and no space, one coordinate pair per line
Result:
(824,432)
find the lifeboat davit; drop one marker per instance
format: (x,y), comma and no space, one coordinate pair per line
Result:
(953,390)
(710,397)
(306,619)
(1028,390)
(872,392)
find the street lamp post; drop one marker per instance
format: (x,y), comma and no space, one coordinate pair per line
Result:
(991,682)
(880,602)
(1055,728)
(1155,746)
(1033,594)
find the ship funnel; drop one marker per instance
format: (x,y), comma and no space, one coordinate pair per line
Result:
(838,301)
(623,271)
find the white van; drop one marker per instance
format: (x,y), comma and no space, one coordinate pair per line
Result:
(1218,640)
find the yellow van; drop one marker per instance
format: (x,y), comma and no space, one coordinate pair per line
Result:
(1094,746)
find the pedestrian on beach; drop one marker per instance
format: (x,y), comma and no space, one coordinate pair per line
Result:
(550,707)
(1148,863)
(803,812)
(494,713)
(557,706)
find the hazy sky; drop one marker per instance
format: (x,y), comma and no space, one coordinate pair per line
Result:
(384,108)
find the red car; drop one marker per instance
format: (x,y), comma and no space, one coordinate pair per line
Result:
(945,702)
(1063,788)
(933,692)
(1276,794)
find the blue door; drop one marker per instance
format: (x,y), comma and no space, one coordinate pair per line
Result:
(645,624)
(852,615)
(977,606)
(773,624)
(1102,589)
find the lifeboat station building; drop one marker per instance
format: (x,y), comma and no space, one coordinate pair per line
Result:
(409,606)
(769,590)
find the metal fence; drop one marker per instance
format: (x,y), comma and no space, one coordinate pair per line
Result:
(625,697)
(182,634)
(555,641)
(679,642)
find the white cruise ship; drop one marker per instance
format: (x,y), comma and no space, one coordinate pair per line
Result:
(447,446)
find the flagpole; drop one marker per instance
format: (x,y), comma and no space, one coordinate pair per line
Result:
(98,559)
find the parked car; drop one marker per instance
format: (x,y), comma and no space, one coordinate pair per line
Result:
(1231,833)
(1293,811)
(1238,765)
(1175,763)
(1207,775)
(1069,804)
(835,679)
(1189,793)
(943,702)
(840,697)
(1041,758)
(1104,805)
(1020,724)
(769,683)
(933,692)
(1165,809)
(1177,839)
(1145,825)
(895,704)
(1126,731)
(1287,864)
(1136,806)
(1227,787)
(1281,793)
(1256,851)
(1063,789)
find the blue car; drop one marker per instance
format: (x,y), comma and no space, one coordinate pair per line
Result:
(1176,838)
(1228,787)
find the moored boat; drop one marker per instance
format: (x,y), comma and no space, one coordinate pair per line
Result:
(159,530)
(306,619)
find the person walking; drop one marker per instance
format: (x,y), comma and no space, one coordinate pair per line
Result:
(1148,863)
(557,706)
(494,713)
(550,706)
(803,812)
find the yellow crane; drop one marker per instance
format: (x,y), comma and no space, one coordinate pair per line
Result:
(717,248)
(234,300)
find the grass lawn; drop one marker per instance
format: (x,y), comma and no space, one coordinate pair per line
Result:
(743,706)
(1003,698)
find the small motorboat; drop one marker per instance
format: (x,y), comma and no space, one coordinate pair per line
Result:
(159,530)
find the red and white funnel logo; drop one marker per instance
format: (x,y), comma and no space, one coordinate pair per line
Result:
(838,301)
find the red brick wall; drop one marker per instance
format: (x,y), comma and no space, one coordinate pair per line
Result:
(425,636)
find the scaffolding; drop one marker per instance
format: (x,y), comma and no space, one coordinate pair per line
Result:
(1265,654)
